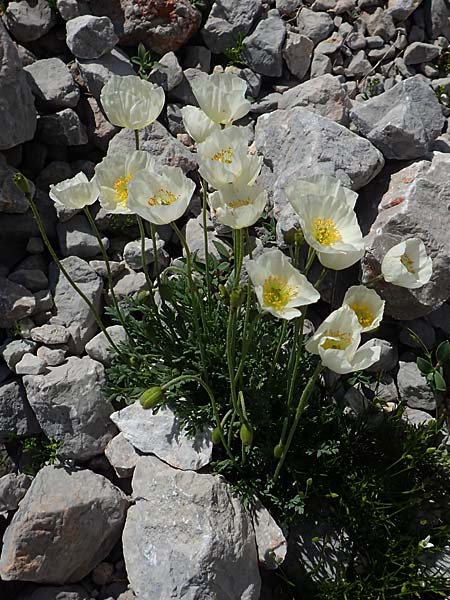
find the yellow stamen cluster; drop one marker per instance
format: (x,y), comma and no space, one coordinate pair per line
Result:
(276,292)
(326,232)
(162,198)
(238,203)
(121,188)
(407,263)
(224,156)
(364,313)
(337,340)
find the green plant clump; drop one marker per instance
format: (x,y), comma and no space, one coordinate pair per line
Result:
(234,53)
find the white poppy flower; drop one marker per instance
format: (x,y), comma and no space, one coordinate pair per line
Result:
(197,124)
(279,287)
(407,264)
(223,158)
(319,187)
(77,192)
(113,176)
(131,102)
(222,97)
(160,197)
(328,221)
(238,206)
(366,304)
(336,341)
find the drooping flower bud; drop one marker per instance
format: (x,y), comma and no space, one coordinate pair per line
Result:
(152,397)
(215,436)
(278,451)
(246,434)
(22,183)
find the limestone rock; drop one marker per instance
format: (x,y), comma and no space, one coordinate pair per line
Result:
(402,9)
(13,351)
(270,541)
(30,364)
(228,20)
(297,53)
(16,416)
(90,37)
(29,20)
(76,238)
(315,25)
(63,128)
(100,349)
(71,407)
(59,537)
(52,84)
(161,435)
(413,387)
(415,205)
(16,302)
(205,549)
(12,489)
(96,72)
(121,455)
(17,111)
(263,48)
(403,121)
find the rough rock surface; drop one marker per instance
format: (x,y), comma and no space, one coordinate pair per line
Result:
(96,72)
(16,302)
(12,489)
(71,408)
(59,537)
(403,121)
(262,49)
(215,554)
(16,415)
(29,20)
(52,84)
(414,388)
(161,435)
(227,21)
(17,112)
(415,205)
(90,37)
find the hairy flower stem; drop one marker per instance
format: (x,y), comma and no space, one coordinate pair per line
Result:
(205,386)
(144,260)
(155,252)
(278,349)
(55,258)
(298,414)
(107,264)
(309,260)
(196,301)
(205,241)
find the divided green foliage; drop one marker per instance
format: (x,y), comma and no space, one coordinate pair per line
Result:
(144,61)
(34,452)
(234,53)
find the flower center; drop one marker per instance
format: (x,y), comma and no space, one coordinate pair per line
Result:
(326,232)
(276,292)
(239,202)
(224,156)
(162,198)
(407,263)
(337,340)
(121,188)
(364,313)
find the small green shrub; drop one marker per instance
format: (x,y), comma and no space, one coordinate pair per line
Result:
(143,59)
(234,53)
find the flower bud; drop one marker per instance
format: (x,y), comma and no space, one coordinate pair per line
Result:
(143,295)
(152,397)
(215,436)
(22,183)
(236,298)
(246,434)
(278,451)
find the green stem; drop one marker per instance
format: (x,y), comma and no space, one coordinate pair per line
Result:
(136,139)
(309,261)
(144,258)
(298,414)
(155,252)
(209,391)
(278,349)
(205,241)
(108,266)
(47,242)
(374,280)
(320,278)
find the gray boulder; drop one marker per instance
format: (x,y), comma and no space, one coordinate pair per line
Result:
(12,200)
(437,18)
(52,84)
(63,128)
(59,537)
(16,302)
(34,280)
(132,252)
(50,334)
(100,349)
(402,9)
(96,72)
(29,20)
(76,238)
(206,549)
(16,416)
(71,310)
(30,364)
(13,488)
(17,111)
(401,122)
(263,48)
(13,351)
(315,25)
(90,37)
(168,74)
(161,434)
(121,455)
(418,52)
(415,205)
(413,388)
(324,95)
(228,20)
(71,407)
(297,53)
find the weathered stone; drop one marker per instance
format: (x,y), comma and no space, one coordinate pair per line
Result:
(403,121)
(99,347)
(415,330)
(270,541)
(416,417)
(437,18)
(29,20)
(132,252)
(288,8)
(380,23)
(71,407)
(168,74)
(44,301)
(121,455)
(76,238)
(297,53)
(13,351)
(63,128)
(129,284)
(52,357)
(413,387)
(359,66)
(196,242)
(12,489)
(90,37)
(50,334)
(99,130)
(330,45)
(71,310)
(183,91)
(315,25)
(70,9)
(66,592)
(34,280)
(16,302)
(297,142)
(17,111)
(388,357)
(227,21)
(52,84)
(324,95)
(263,48)
(157,141)
(12,200)
(59,537)
(415,205)
(252,79)
(402,9)
(95,73)
(197,57)
(418,52)
(16,416)
(30,364)
(320,65)
(161,435)
(206,549)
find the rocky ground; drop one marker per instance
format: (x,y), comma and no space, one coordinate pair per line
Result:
(355,89)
